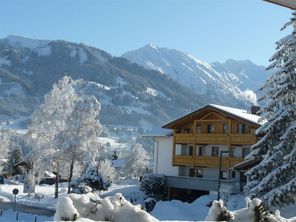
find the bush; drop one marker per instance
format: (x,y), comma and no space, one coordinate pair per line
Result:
(152,183)
(92,179)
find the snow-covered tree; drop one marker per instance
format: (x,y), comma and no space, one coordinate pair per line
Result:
(98,176)
(137,161)
(65,129)
(92,177)
(107,170)
(274,179)
(14,147)
(80,136)
(11,166)
(48,123)
(5,141)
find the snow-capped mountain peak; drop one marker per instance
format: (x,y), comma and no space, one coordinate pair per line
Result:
(201,76)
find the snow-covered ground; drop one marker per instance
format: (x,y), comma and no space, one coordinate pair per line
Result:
(164,210)
(10,216)
(46,192)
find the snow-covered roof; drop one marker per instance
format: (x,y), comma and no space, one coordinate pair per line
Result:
(49,174)
(235,112)
(246,164)
(241,113)
(159,132)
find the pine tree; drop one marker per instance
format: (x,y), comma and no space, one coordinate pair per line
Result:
(10,167)
(274,179)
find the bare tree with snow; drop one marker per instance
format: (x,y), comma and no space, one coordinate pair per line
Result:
(65,128)
(137,161)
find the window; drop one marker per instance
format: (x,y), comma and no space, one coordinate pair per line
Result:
(215,151)
(225,128)
(186,130)
(198,128)
(184,150)
(201,151)
(241,128)
(224,175)
(210,128)
(233,174)
(232,151)
(198,172)
(190,150)
(191,172)
(195,172)
(246,151)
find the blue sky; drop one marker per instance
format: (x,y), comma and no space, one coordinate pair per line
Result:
(212,30)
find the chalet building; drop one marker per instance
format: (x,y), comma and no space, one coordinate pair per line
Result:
(192,149)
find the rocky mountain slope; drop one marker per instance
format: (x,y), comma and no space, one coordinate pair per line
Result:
(131,95)
(229,81)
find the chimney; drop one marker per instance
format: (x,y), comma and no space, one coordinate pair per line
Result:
(255,109)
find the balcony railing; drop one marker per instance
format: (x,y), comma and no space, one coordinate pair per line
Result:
(208,138)
(211,138)
(206,161)
(183,160)
(184,138)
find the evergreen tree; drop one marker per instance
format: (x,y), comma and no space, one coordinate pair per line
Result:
(10,167)
(274,179)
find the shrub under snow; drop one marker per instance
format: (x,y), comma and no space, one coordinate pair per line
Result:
(152,183)
(89,207)
(254,211)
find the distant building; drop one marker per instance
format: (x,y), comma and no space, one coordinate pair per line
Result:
(187,150)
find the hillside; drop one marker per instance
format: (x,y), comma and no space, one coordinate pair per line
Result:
(131,95)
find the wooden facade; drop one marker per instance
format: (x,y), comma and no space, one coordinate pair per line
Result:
(210,127)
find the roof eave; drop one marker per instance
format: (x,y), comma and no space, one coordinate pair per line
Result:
(172,123)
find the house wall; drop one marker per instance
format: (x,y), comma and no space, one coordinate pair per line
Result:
(163,156)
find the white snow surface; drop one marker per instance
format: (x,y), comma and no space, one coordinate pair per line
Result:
(189,71)
(152,91)
(164,210)
(82,56)
(239,113)
(10,216)
(41,47)
(4,61)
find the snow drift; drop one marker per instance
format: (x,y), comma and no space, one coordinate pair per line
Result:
(90,207)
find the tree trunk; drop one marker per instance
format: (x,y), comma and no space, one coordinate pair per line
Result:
(56,191)
(71,174)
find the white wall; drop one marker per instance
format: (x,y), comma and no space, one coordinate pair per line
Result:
(163,152)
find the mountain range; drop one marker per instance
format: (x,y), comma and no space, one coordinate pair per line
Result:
(232,80)
(143,88)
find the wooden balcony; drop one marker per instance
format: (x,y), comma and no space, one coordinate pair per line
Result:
(243,139)
(183,160)
(187,138)
(211,138)
(206,161)
(206,138)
